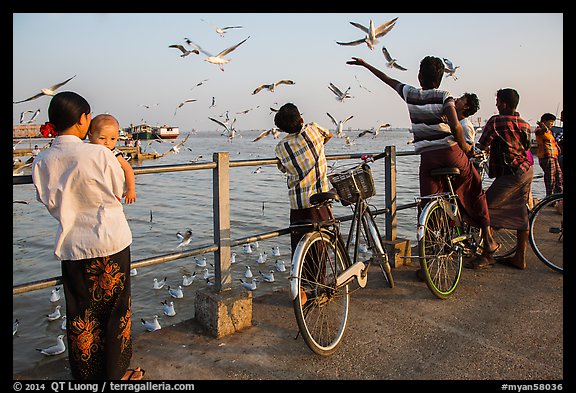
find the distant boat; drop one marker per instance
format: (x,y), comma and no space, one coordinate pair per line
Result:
(166,132)
(140,131)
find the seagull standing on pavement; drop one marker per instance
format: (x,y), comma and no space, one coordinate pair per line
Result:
(15,327)
(49,91)
(56,349)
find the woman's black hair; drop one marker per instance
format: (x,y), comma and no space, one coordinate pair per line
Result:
(65,110)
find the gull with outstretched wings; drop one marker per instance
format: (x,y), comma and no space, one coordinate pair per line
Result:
(49,91)
(372,33)
(185,52)
(274,131)
(272,86)
(450,70)
(221,30)
(339,95)
(31,120)
(219,58)
(392,63)
(339,125)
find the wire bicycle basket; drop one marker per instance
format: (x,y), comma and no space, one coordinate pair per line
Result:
(353,183)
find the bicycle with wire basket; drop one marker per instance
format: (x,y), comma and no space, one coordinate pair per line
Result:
(326,269)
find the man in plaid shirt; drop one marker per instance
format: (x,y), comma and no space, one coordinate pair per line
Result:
(507,137)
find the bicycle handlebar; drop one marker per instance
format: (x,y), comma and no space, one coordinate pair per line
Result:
(366,158)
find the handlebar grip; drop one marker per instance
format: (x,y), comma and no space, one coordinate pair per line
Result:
(379,156)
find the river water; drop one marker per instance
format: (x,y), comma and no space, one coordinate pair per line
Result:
(175,201)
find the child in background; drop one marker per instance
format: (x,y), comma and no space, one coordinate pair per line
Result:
(301,156)
(548,152)
(104,130)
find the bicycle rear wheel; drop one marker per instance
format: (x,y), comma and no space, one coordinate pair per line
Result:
(546,231)
(440,261)
(323,317)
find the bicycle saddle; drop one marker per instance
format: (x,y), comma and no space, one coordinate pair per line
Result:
(445,171)
(321,197)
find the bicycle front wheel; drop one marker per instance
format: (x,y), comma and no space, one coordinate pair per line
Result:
(546,231)
(320,306)
(440,261)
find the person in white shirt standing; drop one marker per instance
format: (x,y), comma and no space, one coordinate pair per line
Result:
(81,185)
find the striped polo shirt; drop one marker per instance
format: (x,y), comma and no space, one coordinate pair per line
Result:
(302,158)
(426,109)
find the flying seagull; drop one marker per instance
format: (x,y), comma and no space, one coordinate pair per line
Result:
(222,30)
(229,131)
(391,62)
(372,33)
(219,58)
(185,52)
(339,95)
(339,124)
(31,120)
(180,105)
(272,86)
(50,91)
(450,70)
(274,131)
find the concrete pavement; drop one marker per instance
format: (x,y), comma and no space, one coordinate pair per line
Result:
(501,324)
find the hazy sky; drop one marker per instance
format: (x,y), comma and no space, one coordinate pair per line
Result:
(123,61)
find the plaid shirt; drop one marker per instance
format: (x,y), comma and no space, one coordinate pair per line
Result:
(302,158)
(509,139)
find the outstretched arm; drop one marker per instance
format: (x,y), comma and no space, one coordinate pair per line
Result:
(393,83)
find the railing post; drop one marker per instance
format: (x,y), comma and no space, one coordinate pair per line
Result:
(221,208)
(390,192)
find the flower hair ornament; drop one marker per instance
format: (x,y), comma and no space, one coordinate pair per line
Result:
(47,130)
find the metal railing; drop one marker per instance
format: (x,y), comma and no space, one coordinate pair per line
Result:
(220,166)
